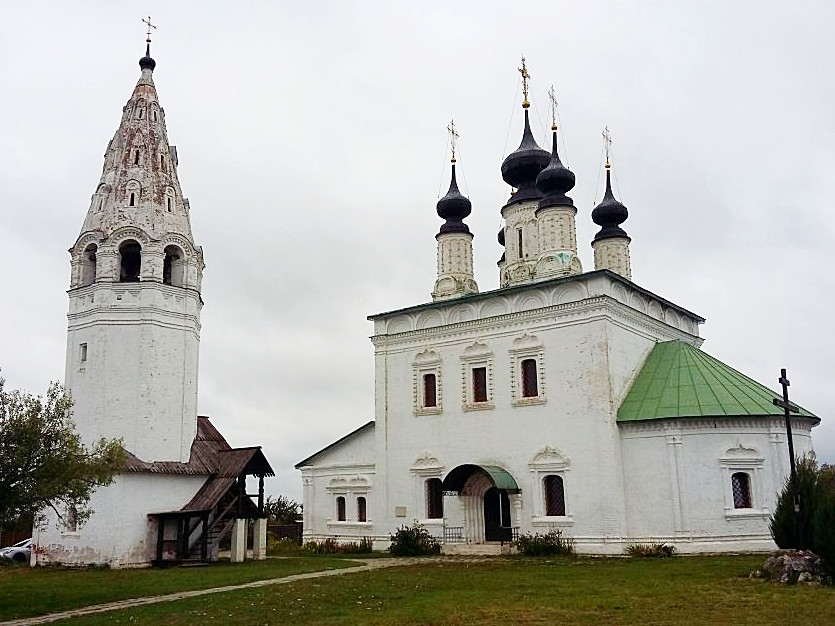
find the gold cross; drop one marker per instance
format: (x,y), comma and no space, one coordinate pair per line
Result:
(150,26)
(552,96)
(607,144)
(525,76)
(453,137)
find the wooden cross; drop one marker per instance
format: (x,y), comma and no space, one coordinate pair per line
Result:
(607,144)
(552,96)
(150,26)
(525,76)
(453,137)
(788,409)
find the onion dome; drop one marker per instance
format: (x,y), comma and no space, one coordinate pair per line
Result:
(146,62)
(609,214)
(555,180)
(500,236)
(454,207)
(521,167)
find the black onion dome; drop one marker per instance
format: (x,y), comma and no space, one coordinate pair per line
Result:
(555,180)
(146,62)
(454,207)
(500,236)
(521,167)
(609,214)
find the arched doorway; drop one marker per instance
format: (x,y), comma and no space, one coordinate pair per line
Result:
(484,492)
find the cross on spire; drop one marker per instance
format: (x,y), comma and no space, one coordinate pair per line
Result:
(552,96)
(150,26)
(453,137)
(607,145)
(525,76)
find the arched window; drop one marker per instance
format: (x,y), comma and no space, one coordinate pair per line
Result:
(130,261)
(741,487)
(132,199)
(136,157)
(88,265)
(434,499)
(340,508)
(173,267)
(554,492)
(140,113)
(361,510)
(530,387)
(168,199)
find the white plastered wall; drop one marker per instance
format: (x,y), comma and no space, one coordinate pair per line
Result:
(119,533)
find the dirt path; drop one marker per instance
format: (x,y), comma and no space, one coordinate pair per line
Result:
(369,564)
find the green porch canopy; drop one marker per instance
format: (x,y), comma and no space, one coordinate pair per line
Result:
(679,380)
(500,478)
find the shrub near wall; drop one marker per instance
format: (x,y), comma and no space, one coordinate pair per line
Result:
(814,528)
(552,543)
(413,540)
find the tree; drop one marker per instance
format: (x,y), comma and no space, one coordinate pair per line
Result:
(282,509)
(42,460)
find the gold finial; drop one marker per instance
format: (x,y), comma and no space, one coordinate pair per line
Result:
(525,76)
(607,144)
(453,138)
(150,26)
(553,98)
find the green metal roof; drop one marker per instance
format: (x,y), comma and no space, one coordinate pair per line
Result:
(500,478)
(679,380)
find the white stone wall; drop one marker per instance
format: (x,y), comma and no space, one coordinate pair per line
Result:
(346,470)
(137,377)
(119,533)
(688,464)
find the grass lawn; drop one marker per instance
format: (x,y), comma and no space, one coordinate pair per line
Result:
(684,590)
(26,591)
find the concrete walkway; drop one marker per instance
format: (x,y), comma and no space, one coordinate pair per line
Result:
(367,565)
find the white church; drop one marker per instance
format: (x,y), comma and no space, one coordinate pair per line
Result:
(131,367)
(565,399)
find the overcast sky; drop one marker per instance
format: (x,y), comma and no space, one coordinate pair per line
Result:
(312,145)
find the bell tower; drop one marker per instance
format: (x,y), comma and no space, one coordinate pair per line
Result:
(134,298)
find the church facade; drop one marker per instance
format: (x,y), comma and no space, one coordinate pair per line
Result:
(564,399)
(132,363)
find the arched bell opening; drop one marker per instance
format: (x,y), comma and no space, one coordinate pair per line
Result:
(130,261)
(173,266)
(88,265)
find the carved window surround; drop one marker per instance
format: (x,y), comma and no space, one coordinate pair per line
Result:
(527,347)
(749,461)
(475,356)
(427,362)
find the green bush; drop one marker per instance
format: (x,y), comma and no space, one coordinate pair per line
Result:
(790,530)
(413,540)
(551,543)
(823,518)
(661,550)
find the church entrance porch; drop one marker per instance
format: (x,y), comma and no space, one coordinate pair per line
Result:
(485,494)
